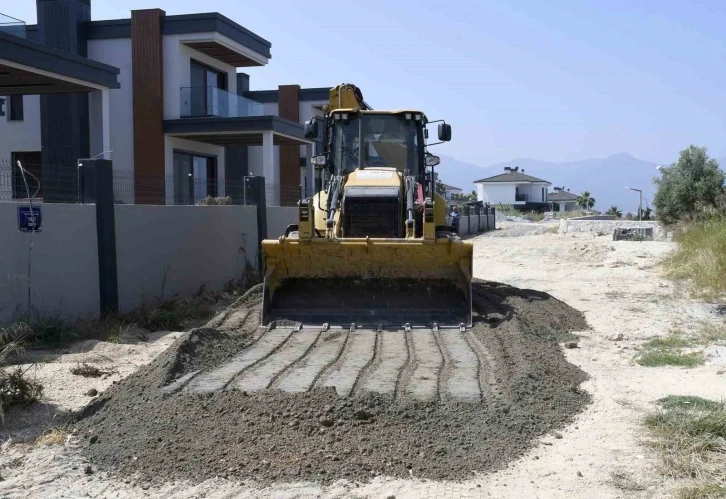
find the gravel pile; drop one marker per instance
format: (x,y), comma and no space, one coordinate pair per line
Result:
(134,429)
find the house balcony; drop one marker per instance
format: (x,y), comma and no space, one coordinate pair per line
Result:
(521,198)
(213,102)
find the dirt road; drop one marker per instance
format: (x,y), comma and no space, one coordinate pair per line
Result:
(615,285)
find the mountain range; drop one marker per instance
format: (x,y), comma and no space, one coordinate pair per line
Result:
(605,178)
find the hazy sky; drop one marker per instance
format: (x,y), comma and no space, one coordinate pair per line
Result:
(556,80)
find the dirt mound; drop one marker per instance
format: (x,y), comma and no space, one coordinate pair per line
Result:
(530,390)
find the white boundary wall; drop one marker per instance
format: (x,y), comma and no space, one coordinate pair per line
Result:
(609,226)
(64,263)
(180,248)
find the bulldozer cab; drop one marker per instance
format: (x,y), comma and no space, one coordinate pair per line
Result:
(365,139)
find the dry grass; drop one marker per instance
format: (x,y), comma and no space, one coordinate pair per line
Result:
(689,434)
(16,387)
(89,371)
(54,436)
(668,350)
(701,258)
(624,480)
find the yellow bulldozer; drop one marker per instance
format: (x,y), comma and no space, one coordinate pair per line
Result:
(372,248)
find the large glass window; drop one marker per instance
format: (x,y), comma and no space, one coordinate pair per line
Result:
(195,177)
(388,141)
(205,85)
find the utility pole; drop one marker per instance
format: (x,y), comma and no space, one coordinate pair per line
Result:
(640,204)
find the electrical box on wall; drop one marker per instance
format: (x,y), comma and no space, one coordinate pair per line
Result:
(2,107)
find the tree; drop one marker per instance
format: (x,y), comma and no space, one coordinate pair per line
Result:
(440,187)
(644,214)
(585,201)
(690,186)
(614,211)
(473,196)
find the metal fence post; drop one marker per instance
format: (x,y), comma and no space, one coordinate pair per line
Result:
(255,194)
(98,188)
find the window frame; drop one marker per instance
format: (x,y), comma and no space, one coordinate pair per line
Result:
(16,112)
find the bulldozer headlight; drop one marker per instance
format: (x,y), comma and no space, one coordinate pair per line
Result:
(408,116)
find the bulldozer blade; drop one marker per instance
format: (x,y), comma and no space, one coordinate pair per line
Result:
(368,282)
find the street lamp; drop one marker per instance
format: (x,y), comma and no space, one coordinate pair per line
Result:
(640,210)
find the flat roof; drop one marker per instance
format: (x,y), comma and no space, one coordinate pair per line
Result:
(185,24)
(28,67)
(237,131)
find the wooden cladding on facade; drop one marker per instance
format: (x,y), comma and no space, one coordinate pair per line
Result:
(148,102)
(289,108)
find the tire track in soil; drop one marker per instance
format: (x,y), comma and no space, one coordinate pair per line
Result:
(363,374)
(358,356)
(302,376)
(269,343)
(384,375)
(485,374)
(404,377)
(424,381)
(264,373)
(460,376)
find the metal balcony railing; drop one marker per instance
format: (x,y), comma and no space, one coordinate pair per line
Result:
(11,25)
(521,197)
(199,102)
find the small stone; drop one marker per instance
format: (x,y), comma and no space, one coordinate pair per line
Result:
(93,439)
(326,422)
(720,372)
(571,344)
(579,474)
(362,415)
(557,435)
(88,470)
(92,392)
(391,497)
(616,337)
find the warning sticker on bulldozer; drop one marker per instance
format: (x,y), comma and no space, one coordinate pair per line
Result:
(374,174)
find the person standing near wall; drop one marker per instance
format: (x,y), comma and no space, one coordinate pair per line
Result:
(455,215)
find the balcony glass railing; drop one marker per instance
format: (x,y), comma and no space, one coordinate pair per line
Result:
(199,102)
(521,197)
(11,25)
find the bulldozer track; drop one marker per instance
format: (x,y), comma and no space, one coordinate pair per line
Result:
(418,365)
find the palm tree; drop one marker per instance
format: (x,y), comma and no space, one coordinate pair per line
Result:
(585,201)
(614,211)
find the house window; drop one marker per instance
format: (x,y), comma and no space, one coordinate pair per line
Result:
(16,108)
(208,92)
(544,195)
(195,177)
(31,162)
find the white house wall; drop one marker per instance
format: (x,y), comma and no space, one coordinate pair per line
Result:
(177,69)
(20,136)
(496,193)
(116,52)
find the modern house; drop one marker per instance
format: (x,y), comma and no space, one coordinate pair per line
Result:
(175,117)
(562,200)
(451,192)
(515,188)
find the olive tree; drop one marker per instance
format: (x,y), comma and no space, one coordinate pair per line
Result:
(689,186)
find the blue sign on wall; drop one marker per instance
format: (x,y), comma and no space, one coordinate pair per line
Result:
(30,220)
